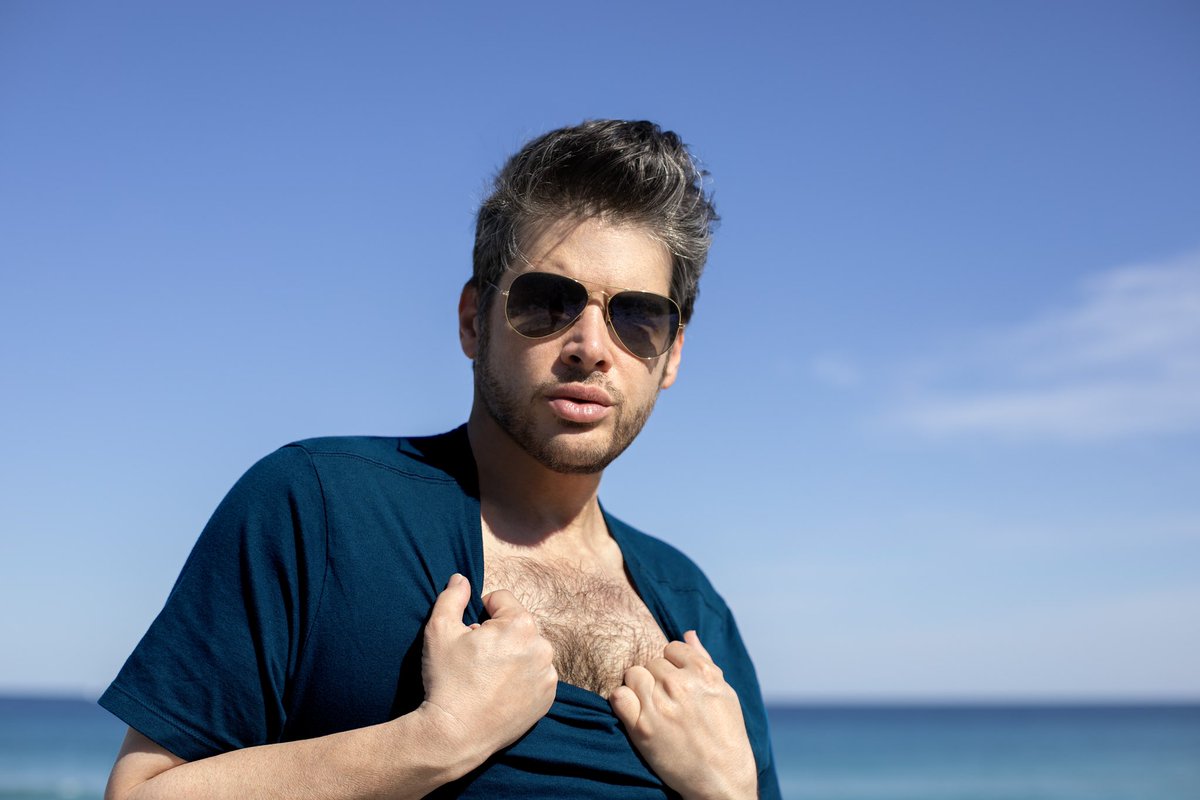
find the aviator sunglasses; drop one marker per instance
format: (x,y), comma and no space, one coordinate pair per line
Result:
(540,304)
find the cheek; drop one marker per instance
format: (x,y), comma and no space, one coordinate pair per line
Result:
(495,337)
(516,360)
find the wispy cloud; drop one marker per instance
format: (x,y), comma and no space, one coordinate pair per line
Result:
(835,371)
(1123,360)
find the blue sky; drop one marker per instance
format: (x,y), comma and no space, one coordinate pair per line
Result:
(937,429)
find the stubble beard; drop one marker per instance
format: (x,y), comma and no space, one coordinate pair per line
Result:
(514,416)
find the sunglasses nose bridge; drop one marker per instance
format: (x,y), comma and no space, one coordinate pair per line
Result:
(599,298)
(605,300)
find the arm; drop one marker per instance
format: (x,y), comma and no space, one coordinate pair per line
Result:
(686,721)
(407,757)
(485,686)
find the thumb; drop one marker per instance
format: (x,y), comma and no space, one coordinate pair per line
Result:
(501,603)
(625,705)
(451,603)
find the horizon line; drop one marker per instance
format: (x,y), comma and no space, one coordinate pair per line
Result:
(1129,699)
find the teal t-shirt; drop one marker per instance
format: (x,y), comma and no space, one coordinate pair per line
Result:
(300,610)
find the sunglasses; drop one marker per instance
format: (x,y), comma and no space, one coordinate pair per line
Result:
(540,304)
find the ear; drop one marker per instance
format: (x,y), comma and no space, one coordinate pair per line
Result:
(468,320)
(671,371)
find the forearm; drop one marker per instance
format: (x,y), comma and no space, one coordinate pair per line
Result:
(407,757)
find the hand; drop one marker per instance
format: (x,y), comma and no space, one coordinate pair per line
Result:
(687,723)
(489,683)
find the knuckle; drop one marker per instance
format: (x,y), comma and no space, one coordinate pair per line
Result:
(678,686)
(544,650)
(722,692)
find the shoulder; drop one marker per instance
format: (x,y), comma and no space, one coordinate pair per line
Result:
(431,458)
(306,474)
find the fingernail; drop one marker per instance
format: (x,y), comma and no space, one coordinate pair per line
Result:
(456,580)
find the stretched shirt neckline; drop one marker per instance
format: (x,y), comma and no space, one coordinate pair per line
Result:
(643,585)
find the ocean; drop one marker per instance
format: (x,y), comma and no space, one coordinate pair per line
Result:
(993,752)
(62,749)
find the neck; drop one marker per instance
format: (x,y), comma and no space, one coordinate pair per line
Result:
(525,504)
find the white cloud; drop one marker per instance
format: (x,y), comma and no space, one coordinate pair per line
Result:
(1123,360)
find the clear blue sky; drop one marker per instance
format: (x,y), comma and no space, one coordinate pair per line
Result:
(937,430)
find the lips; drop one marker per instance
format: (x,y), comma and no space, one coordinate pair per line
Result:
(579,393)
(580,404)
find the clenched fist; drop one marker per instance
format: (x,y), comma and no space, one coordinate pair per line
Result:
(687,723)
(488,684)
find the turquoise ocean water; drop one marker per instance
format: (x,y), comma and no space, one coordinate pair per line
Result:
(63,748)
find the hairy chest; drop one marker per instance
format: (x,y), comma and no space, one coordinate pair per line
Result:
(597,624)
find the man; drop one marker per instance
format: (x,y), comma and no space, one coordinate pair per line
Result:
(457,615)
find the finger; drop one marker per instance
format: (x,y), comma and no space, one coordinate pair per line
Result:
(451,603)
(501,603)
(683,654)
(640,681)
(625,705)
(660,670)
(693,638)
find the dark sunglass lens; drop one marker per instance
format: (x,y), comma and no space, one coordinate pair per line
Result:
(540,304)
(645,322)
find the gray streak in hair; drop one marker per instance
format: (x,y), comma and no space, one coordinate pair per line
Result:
(625,172)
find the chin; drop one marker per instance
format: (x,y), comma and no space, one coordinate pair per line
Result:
(559,445)
(572,454)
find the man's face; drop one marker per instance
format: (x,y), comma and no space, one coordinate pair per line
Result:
(576,399)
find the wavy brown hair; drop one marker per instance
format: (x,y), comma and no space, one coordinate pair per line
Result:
(625,172)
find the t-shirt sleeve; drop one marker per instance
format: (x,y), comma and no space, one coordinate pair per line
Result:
(211,674)
(739,673)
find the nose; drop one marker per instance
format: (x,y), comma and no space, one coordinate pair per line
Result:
(588,346)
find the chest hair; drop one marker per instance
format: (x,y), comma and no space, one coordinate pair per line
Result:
(598,626)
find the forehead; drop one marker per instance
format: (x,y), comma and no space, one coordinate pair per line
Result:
(594,249)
